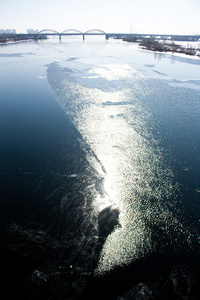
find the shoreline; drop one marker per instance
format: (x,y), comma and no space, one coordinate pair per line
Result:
(183,55)
(175,53)
(7,40)
(15,42)
(167,47)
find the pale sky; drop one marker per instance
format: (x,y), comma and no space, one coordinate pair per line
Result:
(111,16)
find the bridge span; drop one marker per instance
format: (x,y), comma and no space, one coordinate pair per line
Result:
(71,32)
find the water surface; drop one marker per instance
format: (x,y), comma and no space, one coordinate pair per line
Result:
(86,125)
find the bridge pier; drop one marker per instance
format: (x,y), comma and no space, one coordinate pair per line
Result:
(60,38)
(83,37)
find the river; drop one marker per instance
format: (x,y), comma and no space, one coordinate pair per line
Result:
(89,125)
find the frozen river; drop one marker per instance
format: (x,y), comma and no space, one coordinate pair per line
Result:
(89,125)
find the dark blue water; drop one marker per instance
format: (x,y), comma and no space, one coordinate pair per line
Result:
(85,126)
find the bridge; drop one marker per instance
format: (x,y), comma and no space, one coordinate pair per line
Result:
(70,32)
(124,36)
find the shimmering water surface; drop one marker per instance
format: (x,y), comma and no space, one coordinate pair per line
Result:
(86,125)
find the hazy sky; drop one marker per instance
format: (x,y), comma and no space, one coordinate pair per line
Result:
(142,16)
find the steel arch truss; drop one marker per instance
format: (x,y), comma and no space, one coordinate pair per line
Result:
(95,32)
(71,32)
(48,32)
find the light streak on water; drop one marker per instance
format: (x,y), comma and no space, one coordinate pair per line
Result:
(105,103)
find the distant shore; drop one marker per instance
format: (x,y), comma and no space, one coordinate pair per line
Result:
(164,46)
(8,38)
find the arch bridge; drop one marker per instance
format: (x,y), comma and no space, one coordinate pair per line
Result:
(69,32)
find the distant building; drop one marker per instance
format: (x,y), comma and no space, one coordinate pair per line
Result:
(32,31)
(7,31)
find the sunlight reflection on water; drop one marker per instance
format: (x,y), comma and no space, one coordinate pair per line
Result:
(137,180)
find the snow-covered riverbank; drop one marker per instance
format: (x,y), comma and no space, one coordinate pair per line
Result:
(191,49)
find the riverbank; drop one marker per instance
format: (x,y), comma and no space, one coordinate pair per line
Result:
(10,38)
(154,45)
(165,46)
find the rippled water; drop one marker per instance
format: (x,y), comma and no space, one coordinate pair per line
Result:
(119,112)
(137,115)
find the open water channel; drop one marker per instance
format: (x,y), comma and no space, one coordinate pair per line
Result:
(86,126)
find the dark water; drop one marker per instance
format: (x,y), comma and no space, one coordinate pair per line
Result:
(85,126)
